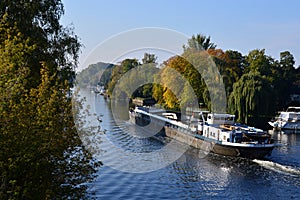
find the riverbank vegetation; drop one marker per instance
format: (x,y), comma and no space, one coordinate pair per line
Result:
(41,154)
(256,85)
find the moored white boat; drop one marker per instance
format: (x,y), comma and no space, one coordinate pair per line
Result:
(289,119)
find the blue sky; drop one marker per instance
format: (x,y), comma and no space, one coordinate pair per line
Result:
(232,24)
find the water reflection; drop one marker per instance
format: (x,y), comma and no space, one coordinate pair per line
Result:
(288,137)
(288,152)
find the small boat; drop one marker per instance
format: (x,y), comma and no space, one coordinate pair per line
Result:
(287,120)
(213,132)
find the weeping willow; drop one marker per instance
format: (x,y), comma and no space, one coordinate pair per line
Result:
(251,97)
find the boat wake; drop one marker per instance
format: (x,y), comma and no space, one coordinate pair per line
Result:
(278,167)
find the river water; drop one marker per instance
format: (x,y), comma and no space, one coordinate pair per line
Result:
(193,175)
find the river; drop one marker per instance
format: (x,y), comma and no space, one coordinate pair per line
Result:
(127,172)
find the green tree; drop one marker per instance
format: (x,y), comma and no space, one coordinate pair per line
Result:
(199,42)
(287,63)
(119,70)
(39,21)
(146,90)
(230,65)
(249,96)
(41,155)
(116,74)
(99,73)
(285,76)
(128,64)
(196,66)
(258,61)
(149,58)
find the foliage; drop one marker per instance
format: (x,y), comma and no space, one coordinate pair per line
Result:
(127,65)
(39,21)
(249,96)
(145,91)
(199,42)
(41,155)
(172,86)
(230,65)
(259,62)
(149,58)
(94,74)
(285,79)
(134,80)
(250,80)
(119,70)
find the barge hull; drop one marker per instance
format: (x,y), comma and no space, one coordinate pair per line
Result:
(210,146)
(245,152)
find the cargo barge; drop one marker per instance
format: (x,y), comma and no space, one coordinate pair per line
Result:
(212,132)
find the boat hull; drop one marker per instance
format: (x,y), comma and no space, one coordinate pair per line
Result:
(258,151)
(246,152)
(285,126)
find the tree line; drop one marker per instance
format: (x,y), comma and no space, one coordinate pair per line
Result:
(256,85)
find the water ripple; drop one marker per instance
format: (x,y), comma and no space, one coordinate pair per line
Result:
(191,176)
